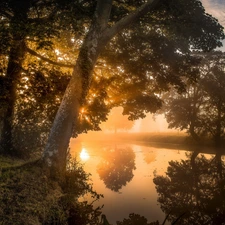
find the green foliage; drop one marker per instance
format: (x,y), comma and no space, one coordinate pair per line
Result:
(137,107)
(29,196)
(4,37)
(191,19)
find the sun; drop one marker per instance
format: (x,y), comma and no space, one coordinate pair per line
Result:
(84,155)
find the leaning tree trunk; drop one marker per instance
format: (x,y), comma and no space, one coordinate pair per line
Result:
(67,116)
(66,119)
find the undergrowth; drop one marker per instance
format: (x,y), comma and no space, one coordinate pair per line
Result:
(30,196)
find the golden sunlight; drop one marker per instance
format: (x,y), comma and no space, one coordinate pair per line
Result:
(82,110)
(84,155)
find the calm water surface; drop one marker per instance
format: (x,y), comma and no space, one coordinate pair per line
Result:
(124,174)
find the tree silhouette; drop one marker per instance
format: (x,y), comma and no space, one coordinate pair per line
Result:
(200,110)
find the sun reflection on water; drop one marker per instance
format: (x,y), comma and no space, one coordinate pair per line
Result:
(84,155)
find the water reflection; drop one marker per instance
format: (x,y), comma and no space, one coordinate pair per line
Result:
(194,186)
(127,170)
(116,167)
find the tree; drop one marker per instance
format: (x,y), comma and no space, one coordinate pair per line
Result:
(30,33)
(172,21)
(183,111)
(158,33)
(200,109)
(18,23)
(117,121)
(16,57)
(213,84)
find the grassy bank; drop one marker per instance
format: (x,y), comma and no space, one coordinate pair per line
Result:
(29,195)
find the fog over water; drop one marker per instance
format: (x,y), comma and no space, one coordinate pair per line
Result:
(124,174)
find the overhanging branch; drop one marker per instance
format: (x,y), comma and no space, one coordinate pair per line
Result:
(132,17)
(32,52)
(103,12)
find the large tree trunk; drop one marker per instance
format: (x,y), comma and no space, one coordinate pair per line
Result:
(14,68)
(16,58)
(67,116)
(66,119)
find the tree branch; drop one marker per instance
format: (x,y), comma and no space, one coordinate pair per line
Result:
(132,17)
(7,14)
(102,13)
(32,52)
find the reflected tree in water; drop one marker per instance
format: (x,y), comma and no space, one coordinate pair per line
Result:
(194,186)
(116,167)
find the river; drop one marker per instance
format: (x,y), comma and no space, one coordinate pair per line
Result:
(124,174)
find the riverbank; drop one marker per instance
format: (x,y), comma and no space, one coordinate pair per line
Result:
(174,140)
(157,137)
(30,195)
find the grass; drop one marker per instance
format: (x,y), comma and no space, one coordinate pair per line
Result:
(30,196)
